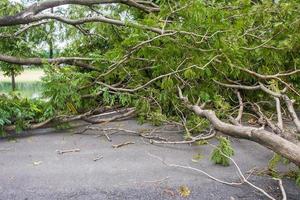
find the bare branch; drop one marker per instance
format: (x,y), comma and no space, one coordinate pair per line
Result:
(281,188)
(191,140)
(101,19)
(122,144)
(239,117)
(24,29)
(195,169)
(243,178)
(268,139)
(290,107)
(156,78)
(279,113)
(243,87)
(76,61)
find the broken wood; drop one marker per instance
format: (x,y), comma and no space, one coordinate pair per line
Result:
(67,151)
(122,144)
(98,157)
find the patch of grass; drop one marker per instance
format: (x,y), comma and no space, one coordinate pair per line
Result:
(26,89)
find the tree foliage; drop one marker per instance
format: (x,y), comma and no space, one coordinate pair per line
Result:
(197,44)
(237,34)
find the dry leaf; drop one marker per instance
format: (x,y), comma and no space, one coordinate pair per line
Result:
(184,191)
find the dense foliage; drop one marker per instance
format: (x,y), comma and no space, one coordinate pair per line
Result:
(18,111)
(261,37)
(214,40)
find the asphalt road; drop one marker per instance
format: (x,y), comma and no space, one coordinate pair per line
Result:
(31,168)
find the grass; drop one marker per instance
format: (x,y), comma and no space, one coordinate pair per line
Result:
(28,83)
(29,75)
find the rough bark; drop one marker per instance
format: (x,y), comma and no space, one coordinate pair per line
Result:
(30,14)
(285,148)
(274,142)
(76,61)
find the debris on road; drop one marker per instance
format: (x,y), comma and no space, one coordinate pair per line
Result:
(67,151)
(36,163)
(99,157)
(122,144)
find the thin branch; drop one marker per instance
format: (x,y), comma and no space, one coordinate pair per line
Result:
(122,144)
(279,113)
(29,14)
(156,78)
(195,169)
(281,188)
(245,180)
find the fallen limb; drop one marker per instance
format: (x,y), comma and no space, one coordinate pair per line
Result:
(281,188)
(242,177)
(195,169)
(190,141)
(107,132)
(268,139)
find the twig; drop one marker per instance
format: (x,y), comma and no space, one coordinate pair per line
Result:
(67,151)
(279,113)
(156,78)
(190,141)
(239,117)
(99,157)
(243,178)
(281,188)
(5,149)
(157,181)
(122,144)
(195,169)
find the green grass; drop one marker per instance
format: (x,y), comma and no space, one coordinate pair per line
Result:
(26,89)
(28,75)
(28,83)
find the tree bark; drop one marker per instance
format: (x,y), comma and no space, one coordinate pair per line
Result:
(27,16)
(283,147)
(270,140)
(76,61)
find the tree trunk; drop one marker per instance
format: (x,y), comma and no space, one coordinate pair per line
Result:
(287,149)
(13,81)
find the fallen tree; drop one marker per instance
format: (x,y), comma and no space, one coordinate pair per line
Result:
(136,57)
(266,138)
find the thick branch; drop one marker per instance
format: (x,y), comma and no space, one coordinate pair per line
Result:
(76,61)
(92,19)
(274,142)
(28,15)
